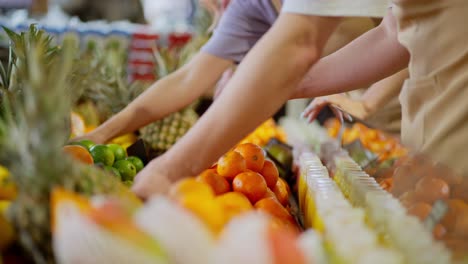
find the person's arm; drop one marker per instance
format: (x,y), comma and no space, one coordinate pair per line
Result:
(374,56)
(376,97)
(265,79)
(379,94)
(166,96)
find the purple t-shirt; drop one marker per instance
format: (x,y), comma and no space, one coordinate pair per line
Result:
(242,25)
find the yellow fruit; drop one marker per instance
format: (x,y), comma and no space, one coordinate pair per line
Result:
(7,234)
(233,204)
(191,187)
(4,204)
(7,187)
(205,208)
(3,172)
(127,139)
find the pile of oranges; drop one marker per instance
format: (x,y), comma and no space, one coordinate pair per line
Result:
(266,131)
(242,180)
(384,146)
(418,183)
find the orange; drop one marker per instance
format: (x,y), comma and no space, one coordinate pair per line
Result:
(218,183)
(461,224)
(272,207)
(79,153)
(233,204)
(253,155)
(455,207)
(191,187)
(251,184)
(430,189)
(231,164)
(270,173)
(283,244)
(420,210)
(270,194)
(282,191)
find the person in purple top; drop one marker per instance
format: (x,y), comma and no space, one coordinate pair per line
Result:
(274,63)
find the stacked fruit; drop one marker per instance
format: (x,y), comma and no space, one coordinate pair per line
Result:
(266,131)
(422,186)
(241,181)
(7,194)
(111,157)
(384,146)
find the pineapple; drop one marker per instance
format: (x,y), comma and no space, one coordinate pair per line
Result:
(164,133)
(32,133)
(110,91)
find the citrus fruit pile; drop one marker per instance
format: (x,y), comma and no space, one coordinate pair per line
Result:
(419,183)
(111,157)
(242,180)
(384,146)
(266,131)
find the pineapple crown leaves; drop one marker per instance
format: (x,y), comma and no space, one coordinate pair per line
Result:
(5,73)
(34,128)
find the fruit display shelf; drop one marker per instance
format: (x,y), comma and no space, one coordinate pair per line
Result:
(432,235)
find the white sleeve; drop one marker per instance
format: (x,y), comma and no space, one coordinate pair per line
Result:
(346,8)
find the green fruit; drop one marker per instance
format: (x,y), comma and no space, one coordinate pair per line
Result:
(88,144)
(126,168)
(137,162)
(102,154)
(119,151)
(128,183)
(113,171)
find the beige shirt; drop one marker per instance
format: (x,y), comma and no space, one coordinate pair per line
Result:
(345,8)
(435,98)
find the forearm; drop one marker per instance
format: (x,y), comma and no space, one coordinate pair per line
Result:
(262,83)
(166,96)
(383,91)
(370,58)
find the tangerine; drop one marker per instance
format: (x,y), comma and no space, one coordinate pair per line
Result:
(218,183)
(461,224)
(455,207)
(270,194)
(282,191)
(273,208)
(253,155)
(430,189)
(79,153)
(270,173)
(420,210)
(231,164)
(251,184)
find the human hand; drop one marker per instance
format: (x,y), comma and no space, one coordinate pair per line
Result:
(342,106)
(155,178)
